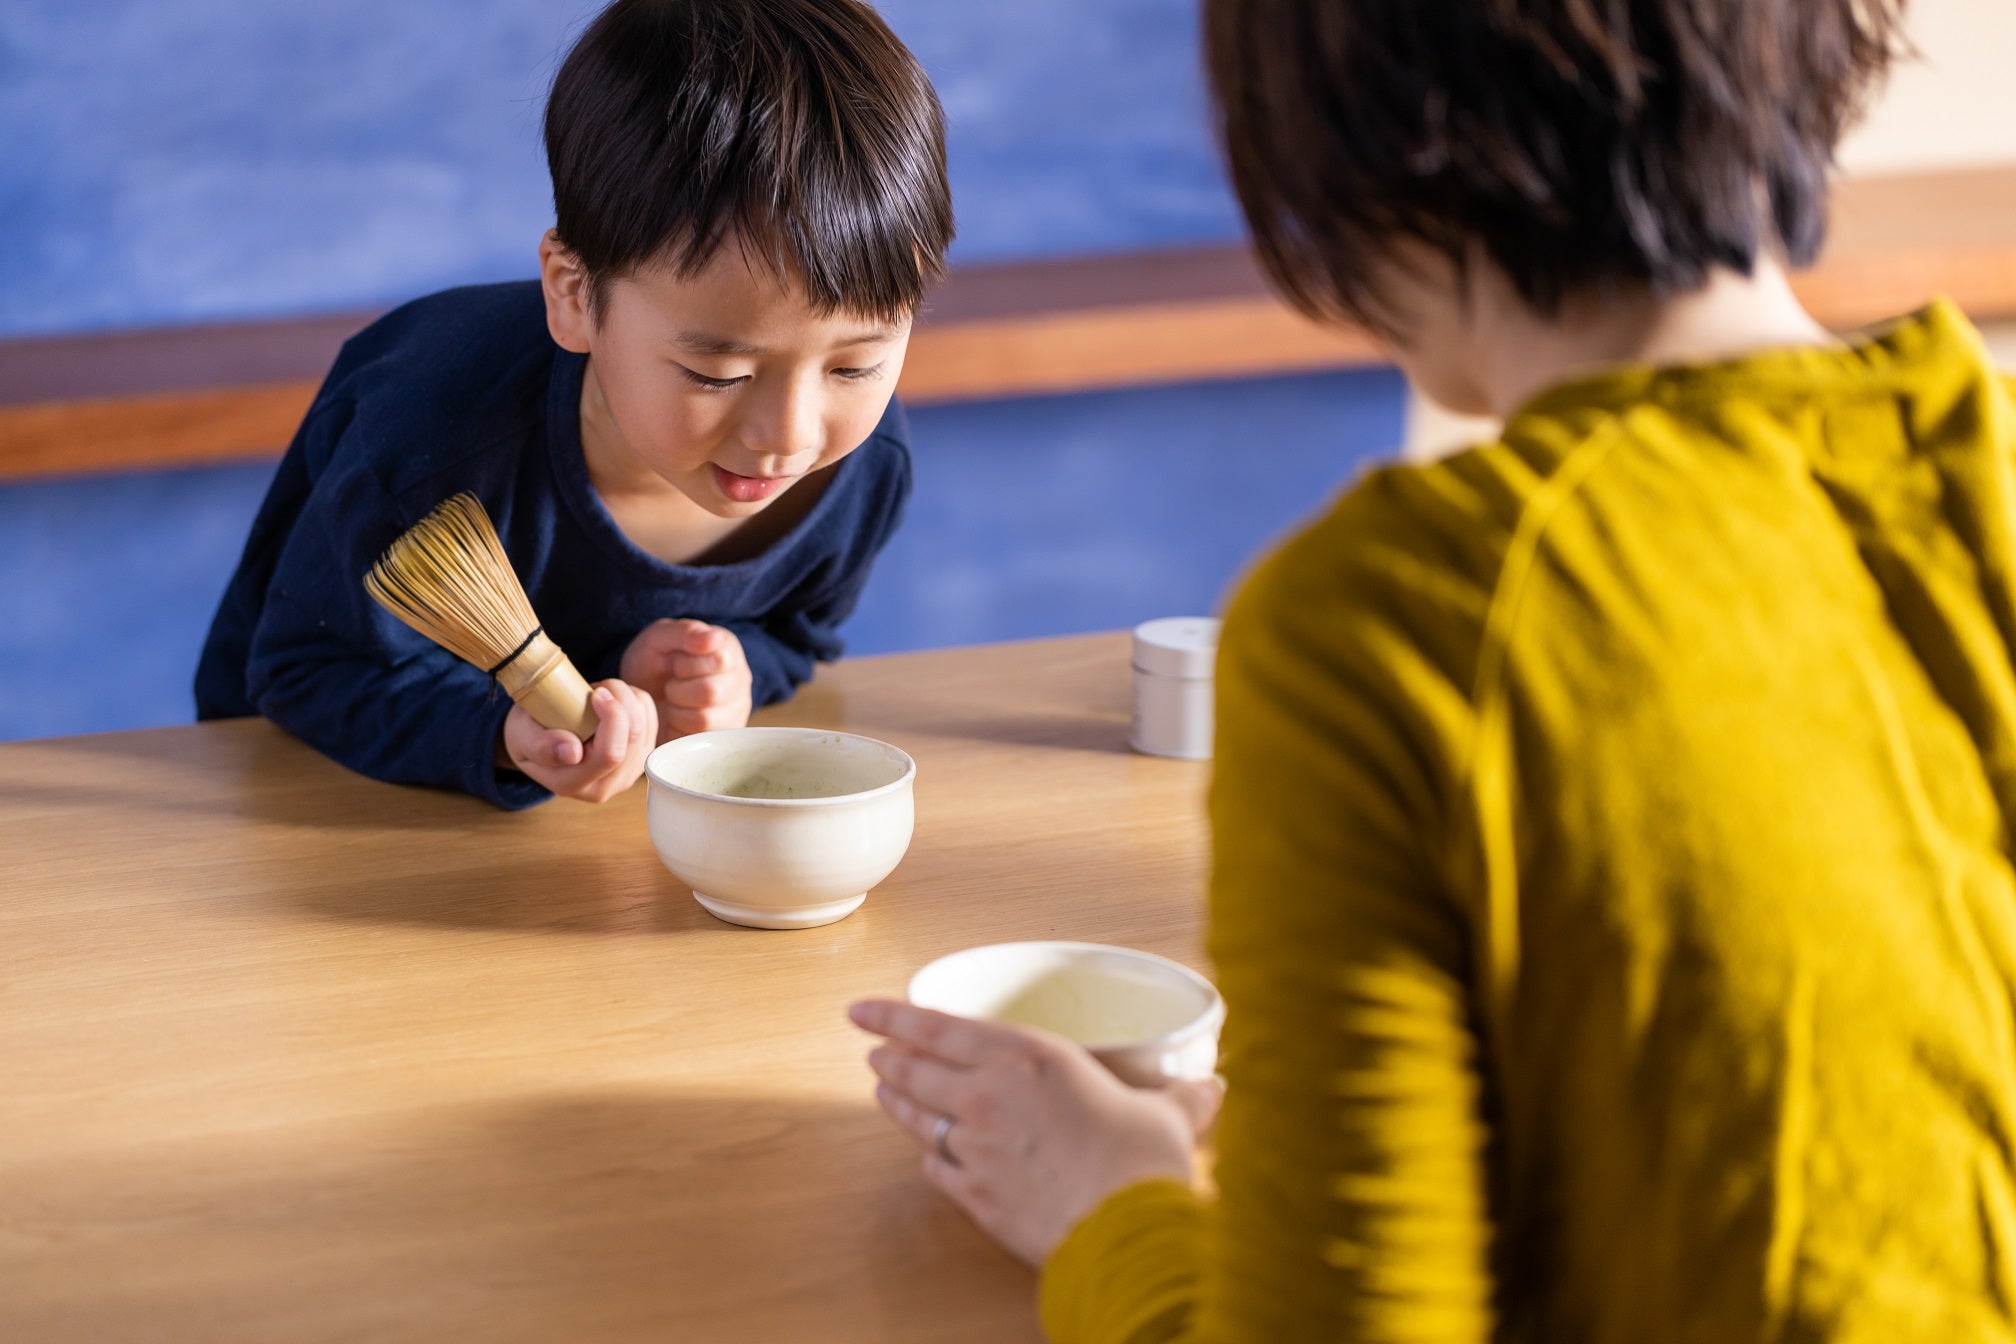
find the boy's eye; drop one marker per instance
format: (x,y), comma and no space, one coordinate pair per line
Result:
(702,380)
(856,375)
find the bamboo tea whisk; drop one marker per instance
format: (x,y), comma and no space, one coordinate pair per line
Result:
(447,576)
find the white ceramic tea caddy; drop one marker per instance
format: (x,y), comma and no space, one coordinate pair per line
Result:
(1174,659)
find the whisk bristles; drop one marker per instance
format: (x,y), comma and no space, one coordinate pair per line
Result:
(448,577)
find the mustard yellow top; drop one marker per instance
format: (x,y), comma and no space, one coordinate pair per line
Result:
(1612,895)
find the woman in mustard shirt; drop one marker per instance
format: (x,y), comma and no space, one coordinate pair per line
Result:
(1612,892)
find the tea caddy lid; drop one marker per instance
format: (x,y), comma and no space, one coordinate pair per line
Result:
(1177,646)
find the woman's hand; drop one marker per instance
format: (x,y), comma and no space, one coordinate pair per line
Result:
(594,771)
(1040,1133)
(697,673)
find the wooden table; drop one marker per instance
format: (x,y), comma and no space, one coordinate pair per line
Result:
(286,1054)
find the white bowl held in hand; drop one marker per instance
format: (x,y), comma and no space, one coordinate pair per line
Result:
(1148,1019)
(780,828)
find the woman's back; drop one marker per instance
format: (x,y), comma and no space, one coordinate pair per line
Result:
(1613,890)
(1756,714)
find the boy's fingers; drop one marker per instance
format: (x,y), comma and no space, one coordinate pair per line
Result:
(687,666)
(663,638)
(555,748)
(699,693)
(703,638)
(684,721)
(612,739)
(643,721)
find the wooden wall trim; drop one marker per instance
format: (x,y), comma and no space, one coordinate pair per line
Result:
(208,394)
(1121,347)
(162,429)
(199,358)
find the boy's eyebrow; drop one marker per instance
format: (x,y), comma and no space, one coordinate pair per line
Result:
(701,343)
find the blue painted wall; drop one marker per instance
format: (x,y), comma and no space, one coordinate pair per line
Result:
(165,161)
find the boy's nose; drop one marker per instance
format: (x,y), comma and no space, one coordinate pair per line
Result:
(789,427)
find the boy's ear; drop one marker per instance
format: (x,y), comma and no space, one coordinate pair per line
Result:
(565,281)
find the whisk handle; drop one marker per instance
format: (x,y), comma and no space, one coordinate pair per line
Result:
(552,690)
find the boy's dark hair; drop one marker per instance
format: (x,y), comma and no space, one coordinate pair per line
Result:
(801,130)
(1580,143)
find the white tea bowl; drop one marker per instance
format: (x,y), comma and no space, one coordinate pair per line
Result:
(780,828)
(1148,1019)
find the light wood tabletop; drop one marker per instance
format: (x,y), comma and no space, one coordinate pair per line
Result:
(286,1054)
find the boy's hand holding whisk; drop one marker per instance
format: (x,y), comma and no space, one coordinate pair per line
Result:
(449,578)
(600,768)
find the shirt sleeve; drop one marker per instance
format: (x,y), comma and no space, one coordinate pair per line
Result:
(1351,1186)
(330,666)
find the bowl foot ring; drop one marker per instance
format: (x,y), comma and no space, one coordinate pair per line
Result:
(807,917)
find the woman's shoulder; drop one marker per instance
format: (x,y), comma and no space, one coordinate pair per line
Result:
(1387,613)
(1408,544)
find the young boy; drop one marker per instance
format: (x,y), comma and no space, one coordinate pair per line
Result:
(684,431)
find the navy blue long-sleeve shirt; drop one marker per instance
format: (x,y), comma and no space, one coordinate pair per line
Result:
(466,391)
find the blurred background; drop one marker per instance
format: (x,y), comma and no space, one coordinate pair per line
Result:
(200,198)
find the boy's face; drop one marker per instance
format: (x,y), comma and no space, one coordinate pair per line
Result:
(724,384)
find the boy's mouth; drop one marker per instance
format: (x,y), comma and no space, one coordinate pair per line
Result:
(748,489)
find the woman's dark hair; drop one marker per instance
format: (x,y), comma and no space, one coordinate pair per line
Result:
(1579,143)
(801,130)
